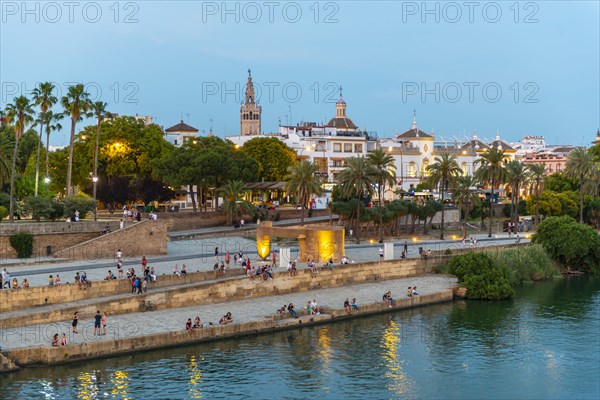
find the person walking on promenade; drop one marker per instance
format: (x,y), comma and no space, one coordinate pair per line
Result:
(216,254)
(405,247)
(121,224)
(97,323)
(381,253)
(103,320)
(75,321)
(119,255)
(227,259)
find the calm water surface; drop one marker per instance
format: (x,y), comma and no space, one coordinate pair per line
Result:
(544,344)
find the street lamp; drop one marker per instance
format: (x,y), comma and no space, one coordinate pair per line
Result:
(95,180)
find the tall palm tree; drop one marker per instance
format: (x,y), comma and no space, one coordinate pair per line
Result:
(491,171)
(385,174)
(581,165)
(233,204)
(6,146)
(21,113)
(99,111)
(536,177)
(442,173)
(357,179)
(44,99)
(517,174)
(52,124)
(76,104)
(385,171)
(465,197)
(302,181)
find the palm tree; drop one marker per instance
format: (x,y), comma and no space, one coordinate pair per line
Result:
(76,104)
(536,177)
(517,174)
(581,165)
(442,173)
(52,124)
(6,146)
(385,171)
(233,204)
(465,197)
(99,111)
(44,99)
(385,174)
(357,179)
(302,181)
(21,113)
(491,171)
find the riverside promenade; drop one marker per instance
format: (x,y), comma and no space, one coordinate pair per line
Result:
(157,318)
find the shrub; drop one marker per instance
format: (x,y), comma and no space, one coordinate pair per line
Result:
(531,263)
(572,244)
(58,210)
(481,276)
(39,207)
(506,210)
(277,216)
(3,212)
(79,203)
(22,242)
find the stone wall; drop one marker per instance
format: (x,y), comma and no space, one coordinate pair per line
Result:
(143,238)
(36,228)
(124,345)
(56,241)
(204,292)
(451,216)
(38,296)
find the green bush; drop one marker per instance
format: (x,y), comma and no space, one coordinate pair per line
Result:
(3,212)
(58,210)
(448,251)
(506,210)
(531,263)
(481,276)
(572,244)
(22,242)
(79,203)
(38,207)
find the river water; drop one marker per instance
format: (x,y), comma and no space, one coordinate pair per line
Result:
(543,344)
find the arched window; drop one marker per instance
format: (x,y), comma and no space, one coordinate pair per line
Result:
(412,169)
(464,168)
(424,165)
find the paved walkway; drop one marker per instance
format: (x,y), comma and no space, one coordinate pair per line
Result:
(198,255)
(246,310)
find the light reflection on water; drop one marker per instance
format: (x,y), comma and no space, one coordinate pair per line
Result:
(543,344)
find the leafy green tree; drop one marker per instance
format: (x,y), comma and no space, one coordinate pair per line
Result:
(536,175)
(272,155)
(76,104)
(548,204)
(82,204)
(560,183)
(45,100)
(573,245)
(302,181)
(21,113)
(481,276)
(357,180)
(491,171)
(581,165)
(233,203)
(443,173)
(3,212)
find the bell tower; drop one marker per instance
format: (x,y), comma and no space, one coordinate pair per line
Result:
(250,111)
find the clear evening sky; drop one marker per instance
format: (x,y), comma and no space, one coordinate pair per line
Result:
(520,68)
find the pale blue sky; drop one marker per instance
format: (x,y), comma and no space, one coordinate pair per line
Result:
(384,54)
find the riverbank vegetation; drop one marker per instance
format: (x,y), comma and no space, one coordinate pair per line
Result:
(573,245)
(493,276)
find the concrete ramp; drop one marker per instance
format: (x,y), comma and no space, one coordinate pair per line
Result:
(145,238)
